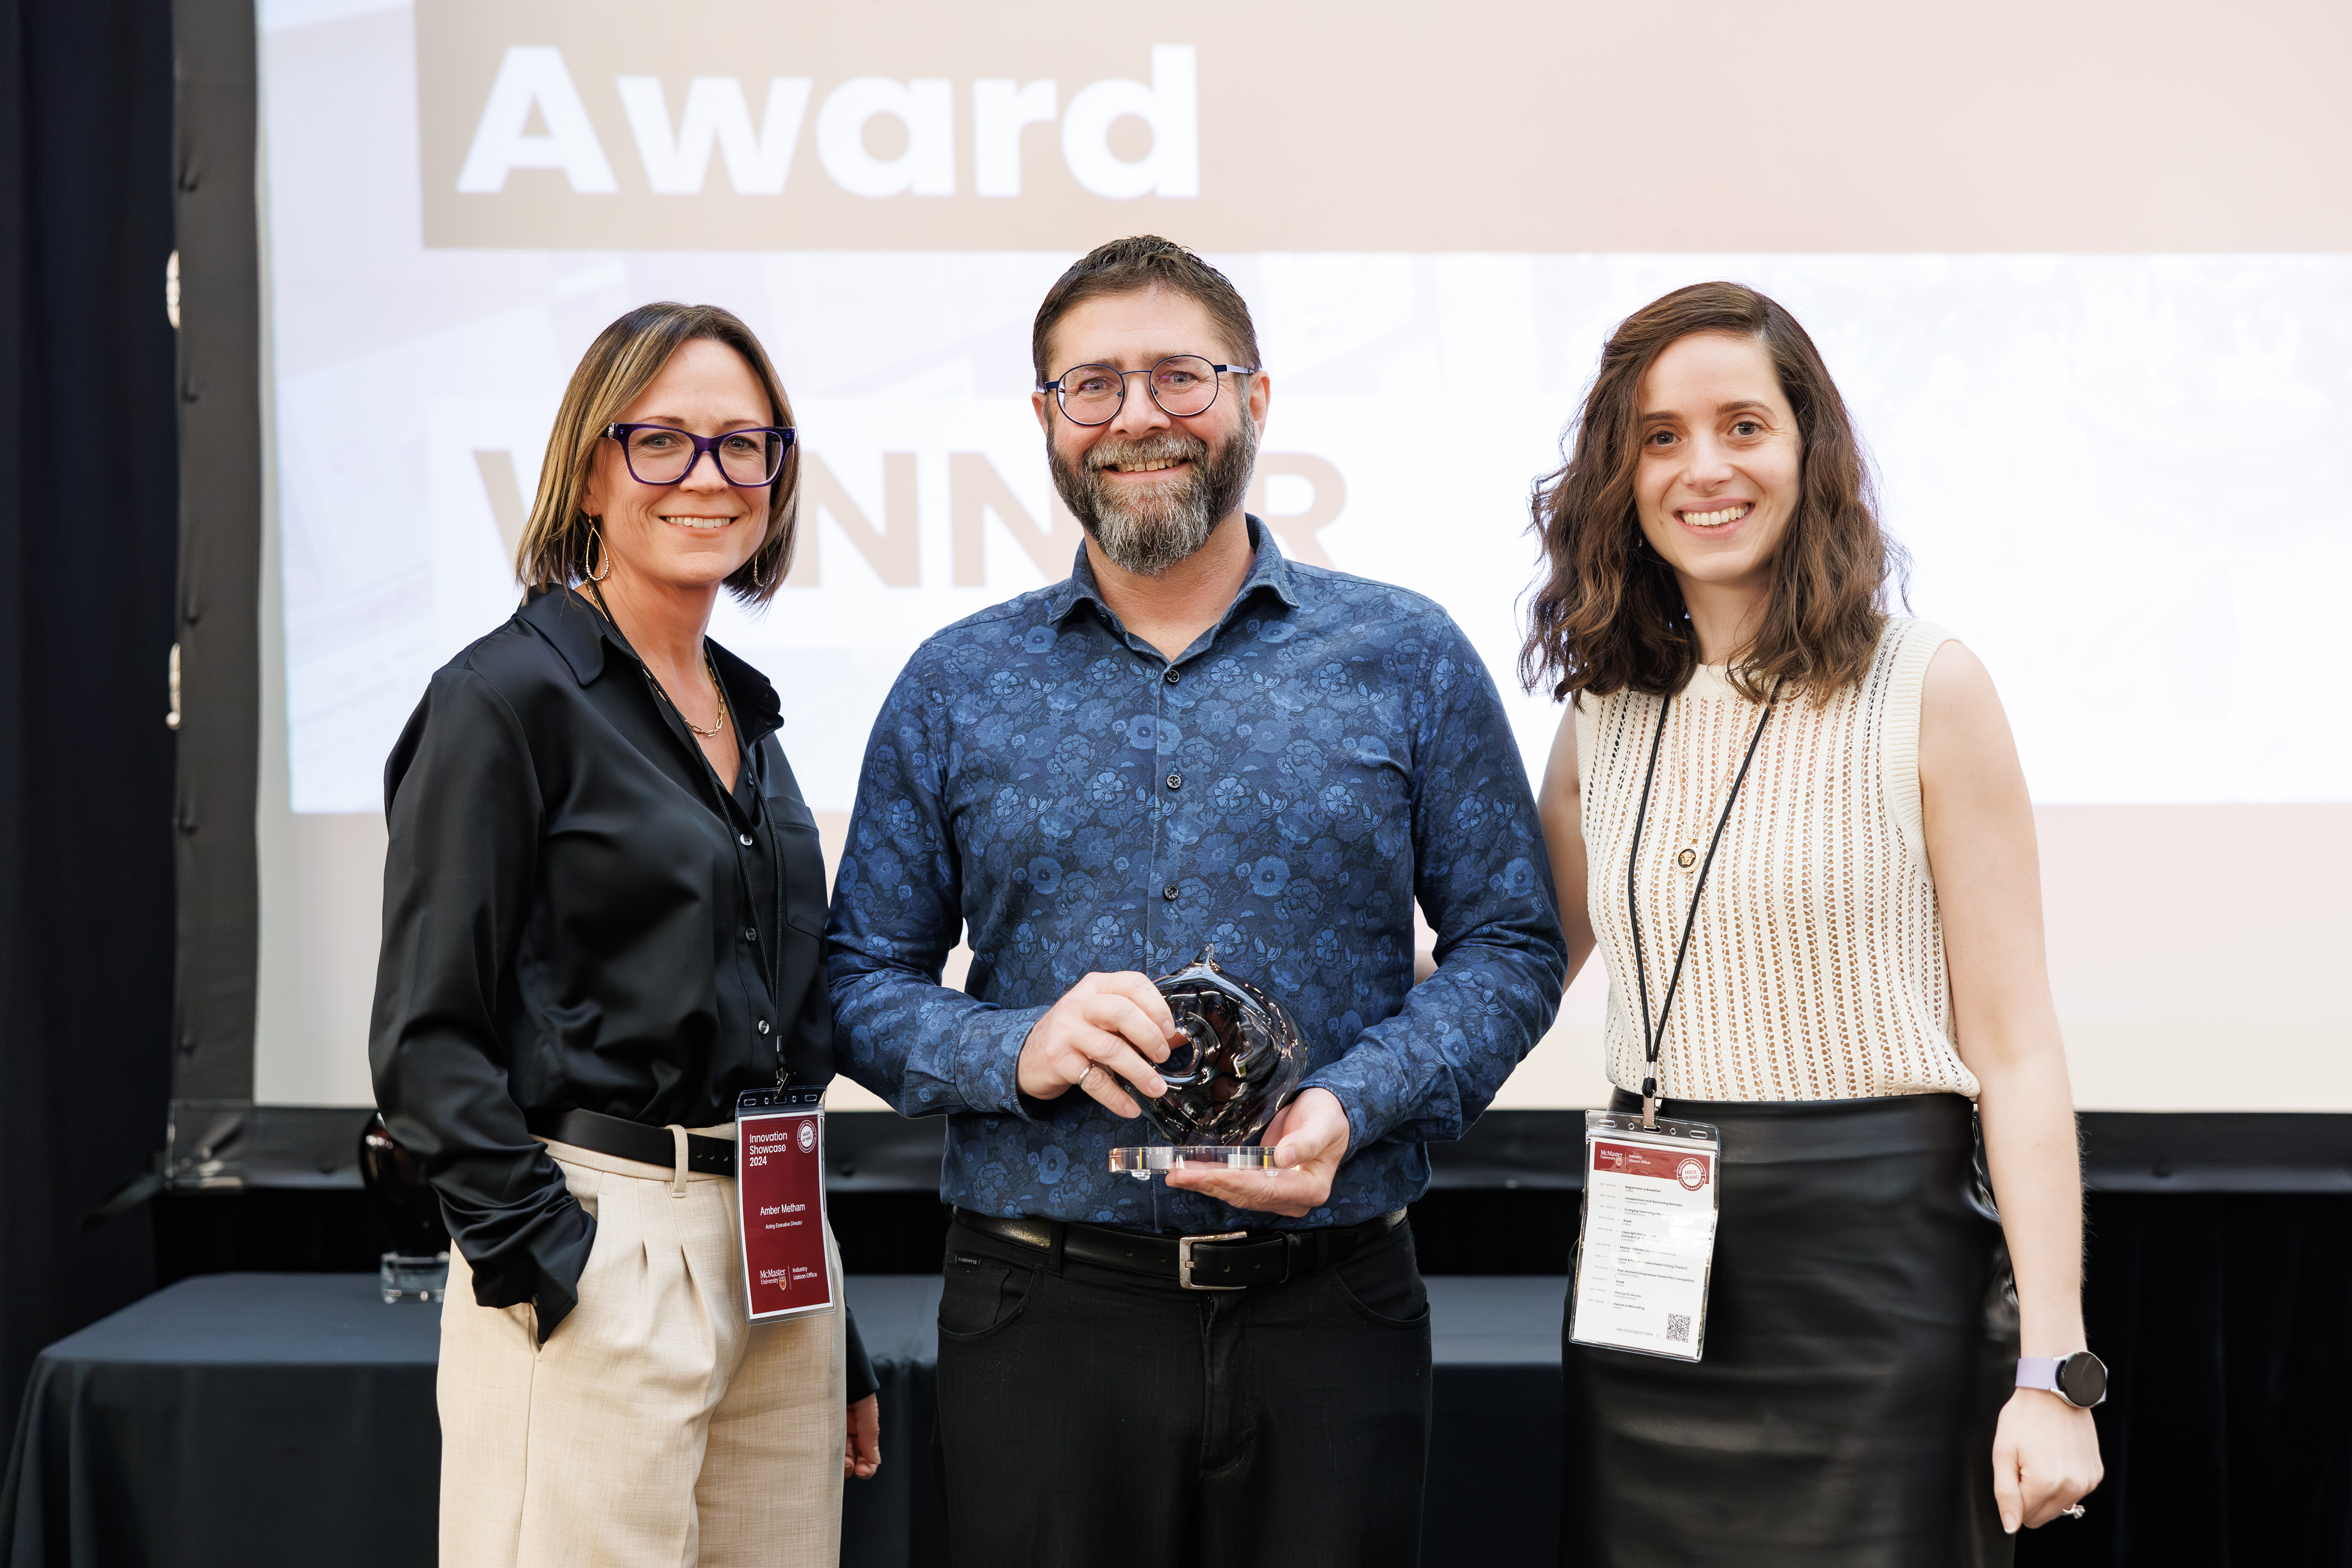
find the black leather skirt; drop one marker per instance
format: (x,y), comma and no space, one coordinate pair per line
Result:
(1860,1341)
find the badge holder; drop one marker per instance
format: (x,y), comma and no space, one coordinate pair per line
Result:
(1645,1249)
(780,1187)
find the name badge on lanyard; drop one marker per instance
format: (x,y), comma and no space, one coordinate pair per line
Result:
(780,1185)
(1645,1249)
(1647,1243)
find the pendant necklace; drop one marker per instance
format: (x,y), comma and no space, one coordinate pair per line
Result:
(1686,858)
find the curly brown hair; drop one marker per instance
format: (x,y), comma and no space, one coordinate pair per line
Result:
(1611,614)
(557,537)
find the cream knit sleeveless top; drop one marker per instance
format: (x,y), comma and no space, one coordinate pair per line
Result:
(1816,967)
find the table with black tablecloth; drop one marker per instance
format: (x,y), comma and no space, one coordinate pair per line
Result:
(260,1419)
(245,1418)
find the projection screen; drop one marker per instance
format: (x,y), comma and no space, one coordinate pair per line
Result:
(2101,351)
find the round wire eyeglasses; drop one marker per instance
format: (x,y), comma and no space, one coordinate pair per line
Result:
(1182,385)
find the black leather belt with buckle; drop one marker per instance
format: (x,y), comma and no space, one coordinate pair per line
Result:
(625,1140)
(1229,1260)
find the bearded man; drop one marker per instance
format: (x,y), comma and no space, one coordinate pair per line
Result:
(1192,740)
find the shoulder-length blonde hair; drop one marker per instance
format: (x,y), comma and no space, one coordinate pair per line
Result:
(616,369)
(1609,615)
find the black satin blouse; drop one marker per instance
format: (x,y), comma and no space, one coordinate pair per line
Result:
(578,913)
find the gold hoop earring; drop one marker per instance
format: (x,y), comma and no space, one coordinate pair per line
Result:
(757,581)
(596,550)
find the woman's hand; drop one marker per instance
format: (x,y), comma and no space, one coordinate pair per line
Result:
(2045,1459)
(861,1451)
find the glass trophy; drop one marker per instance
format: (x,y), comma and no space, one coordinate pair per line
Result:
(1239,1063)
(417,1267)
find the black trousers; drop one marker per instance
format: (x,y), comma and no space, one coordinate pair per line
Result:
(1090,1416)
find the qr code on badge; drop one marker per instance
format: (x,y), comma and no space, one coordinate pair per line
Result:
(1678,1326)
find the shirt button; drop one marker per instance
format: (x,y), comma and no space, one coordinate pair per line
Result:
(763,1025)
(1169,892)
(1171,677)
(744,839)
(751,933)
(1175,780)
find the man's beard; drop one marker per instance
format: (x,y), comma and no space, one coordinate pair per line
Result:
(1147,534)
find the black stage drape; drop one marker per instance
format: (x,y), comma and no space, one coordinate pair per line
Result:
(2227,1321)
(89,547)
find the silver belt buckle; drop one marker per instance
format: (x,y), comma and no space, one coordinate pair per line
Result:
(1184,1260)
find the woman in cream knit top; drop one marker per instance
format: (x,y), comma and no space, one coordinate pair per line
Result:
(1816,967)
(1863,986)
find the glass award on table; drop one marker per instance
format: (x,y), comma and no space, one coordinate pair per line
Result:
(1239,1063)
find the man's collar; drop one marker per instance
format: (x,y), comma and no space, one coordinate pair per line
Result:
(578,631)
(1268,569)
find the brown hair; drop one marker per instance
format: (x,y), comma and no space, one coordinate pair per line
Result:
(1132,265)
(1611,615)
(614,372)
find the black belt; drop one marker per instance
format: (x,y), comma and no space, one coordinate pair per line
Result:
(626,1140)
(1234,1260)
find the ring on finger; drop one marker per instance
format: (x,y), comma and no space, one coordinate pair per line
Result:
(2074,1512)
(1092,1068)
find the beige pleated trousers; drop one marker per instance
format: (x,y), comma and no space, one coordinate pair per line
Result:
(656,1428)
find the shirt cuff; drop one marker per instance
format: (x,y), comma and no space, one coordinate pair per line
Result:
(990,1080)
(858,1380)
(560,1255)
(1363,1130)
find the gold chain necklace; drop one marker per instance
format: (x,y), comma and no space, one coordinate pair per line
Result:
(707,663)
(704,734)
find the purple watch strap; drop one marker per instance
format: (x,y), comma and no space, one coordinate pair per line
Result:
(2042,1372)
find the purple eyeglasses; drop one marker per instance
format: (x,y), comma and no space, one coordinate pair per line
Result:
(659,455)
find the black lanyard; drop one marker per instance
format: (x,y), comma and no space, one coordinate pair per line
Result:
(1653,1038)
(775,963)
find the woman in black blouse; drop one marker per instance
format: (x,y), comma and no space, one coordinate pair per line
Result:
(602,904)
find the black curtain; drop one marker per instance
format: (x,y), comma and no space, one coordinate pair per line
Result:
(89,548)
(2227,1321)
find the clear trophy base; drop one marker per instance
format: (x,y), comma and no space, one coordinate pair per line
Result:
(414,1278)
(1144,1164)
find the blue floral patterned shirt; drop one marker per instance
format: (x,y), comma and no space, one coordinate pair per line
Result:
(1330,752)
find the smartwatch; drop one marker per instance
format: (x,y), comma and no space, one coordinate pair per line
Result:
(2081,1379)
